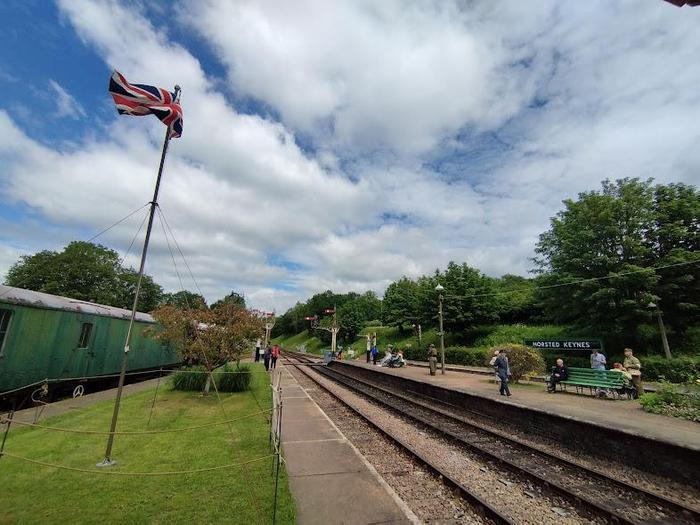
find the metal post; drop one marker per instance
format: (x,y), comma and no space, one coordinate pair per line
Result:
(107,461)
(7,429)
(442,337)
(664,339)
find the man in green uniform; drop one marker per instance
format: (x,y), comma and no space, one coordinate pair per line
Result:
(634,367)
(432,359)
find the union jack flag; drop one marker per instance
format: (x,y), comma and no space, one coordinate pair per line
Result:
(140,99)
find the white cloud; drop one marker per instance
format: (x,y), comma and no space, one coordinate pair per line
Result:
(442,131)
(66,105)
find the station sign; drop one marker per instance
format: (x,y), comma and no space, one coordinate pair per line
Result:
(565,344)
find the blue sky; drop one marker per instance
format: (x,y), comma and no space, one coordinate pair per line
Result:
(337,145)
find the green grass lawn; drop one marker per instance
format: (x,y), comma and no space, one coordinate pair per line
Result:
(32,493)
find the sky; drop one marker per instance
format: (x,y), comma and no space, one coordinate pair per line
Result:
(335,145)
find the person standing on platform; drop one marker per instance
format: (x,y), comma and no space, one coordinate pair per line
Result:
(502,371)
(258,345)
(274,354)
(369,347)
(375,353)
(634,367)
(266,357)
(432,359)
(598,360)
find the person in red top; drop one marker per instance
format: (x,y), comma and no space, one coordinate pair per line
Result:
(275,355)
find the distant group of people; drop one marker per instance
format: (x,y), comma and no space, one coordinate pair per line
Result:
(269,355)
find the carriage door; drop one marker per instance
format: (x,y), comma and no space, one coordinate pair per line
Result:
(85,346)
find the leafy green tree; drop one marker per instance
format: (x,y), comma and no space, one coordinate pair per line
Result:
(517,303)
(184,299)
(608,238)
(468,298)
(233,297)
(400,305)
(84,271)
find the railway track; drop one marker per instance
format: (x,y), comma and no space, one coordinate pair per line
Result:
(616,500)
(484,508)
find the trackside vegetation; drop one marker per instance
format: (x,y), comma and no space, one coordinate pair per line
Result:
(242,494)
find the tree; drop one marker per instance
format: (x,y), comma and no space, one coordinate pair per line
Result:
(400,304)
(233,297)
(516,299)
(468,298)
(607,239)
(84,271)
(184,299)
(350,319)
(211,337)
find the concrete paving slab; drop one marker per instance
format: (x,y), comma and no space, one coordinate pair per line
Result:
(324,469)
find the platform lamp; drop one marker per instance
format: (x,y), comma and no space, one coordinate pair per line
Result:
(439,289)
(662,328)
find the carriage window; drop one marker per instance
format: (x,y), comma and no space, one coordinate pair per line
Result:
(85,335)
(5,316)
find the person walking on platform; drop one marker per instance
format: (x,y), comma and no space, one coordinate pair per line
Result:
(258,345)
(274,354)
(266,357)
(369,347)
(634,367)
(502,371)
(432,359)
(559,373)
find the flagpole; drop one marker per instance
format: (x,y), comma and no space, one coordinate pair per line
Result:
(108,461)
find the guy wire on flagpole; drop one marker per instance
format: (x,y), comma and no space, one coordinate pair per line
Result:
(108,461)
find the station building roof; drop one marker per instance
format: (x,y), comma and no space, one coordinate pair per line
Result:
(20,296)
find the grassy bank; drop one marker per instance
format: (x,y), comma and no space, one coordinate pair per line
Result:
(312,344)
(243,494)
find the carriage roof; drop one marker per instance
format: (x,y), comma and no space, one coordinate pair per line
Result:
(20,296)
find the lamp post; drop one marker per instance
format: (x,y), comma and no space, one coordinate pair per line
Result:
(439,289)
(662,329)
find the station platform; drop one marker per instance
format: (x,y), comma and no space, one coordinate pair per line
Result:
(331,482)
(626,415)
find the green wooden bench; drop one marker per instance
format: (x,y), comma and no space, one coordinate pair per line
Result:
(581,378)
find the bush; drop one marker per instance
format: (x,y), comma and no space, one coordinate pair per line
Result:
(669,402)
(373,322)
(682,369)
(523,360)
(454,355)
(233,379)
(190,379)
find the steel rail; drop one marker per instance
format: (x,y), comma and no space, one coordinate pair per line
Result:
(483,507)
(602,508)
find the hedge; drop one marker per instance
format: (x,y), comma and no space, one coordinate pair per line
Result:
(454,355)
(195,378)
(682,369)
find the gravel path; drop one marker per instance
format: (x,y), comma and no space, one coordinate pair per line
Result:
(515,496)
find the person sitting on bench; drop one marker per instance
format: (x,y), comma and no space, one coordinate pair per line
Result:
(627,386)
(559,373)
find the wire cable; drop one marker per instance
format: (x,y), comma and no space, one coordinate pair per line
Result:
(131,432)
(116,223)
(120,473)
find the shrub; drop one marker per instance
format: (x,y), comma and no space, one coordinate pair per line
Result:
(523,360)
(454,355)
(668,401)
(233,379)
(373,322)
(190,379)
(682,369)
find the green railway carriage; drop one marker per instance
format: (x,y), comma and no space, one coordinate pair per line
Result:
(46,336)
